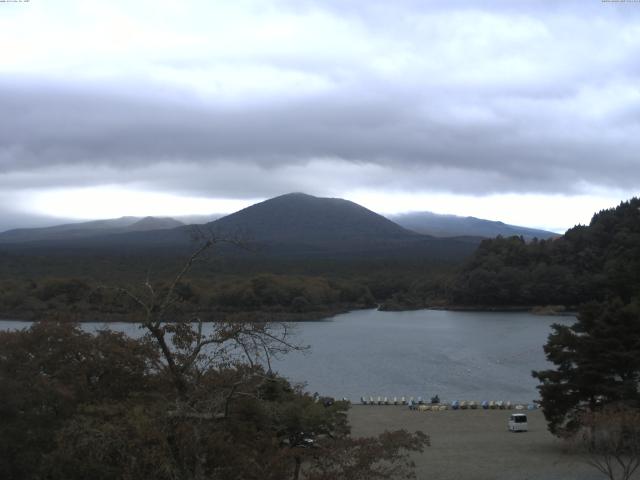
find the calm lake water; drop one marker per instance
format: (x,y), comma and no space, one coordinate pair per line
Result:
(457,355)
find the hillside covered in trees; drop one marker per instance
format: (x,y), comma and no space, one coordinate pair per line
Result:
(590,262)
(287,297)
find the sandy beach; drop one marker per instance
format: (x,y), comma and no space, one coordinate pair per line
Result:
(476,445)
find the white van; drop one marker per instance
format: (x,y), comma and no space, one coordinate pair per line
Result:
(518,422)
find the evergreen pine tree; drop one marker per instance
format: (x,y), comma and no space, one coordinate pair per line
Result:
(597,362)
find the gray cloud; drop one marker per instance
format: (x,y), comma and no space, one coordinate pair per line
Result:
(530,148)
(461,96)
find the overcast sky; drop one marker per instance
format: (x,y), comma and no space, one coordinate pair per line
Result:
(521,111)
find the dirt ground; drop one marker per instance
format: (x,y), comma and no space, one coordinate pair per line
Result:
(476,445)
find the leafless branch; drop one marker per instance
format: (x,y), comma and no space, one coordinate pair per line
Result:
(611,438)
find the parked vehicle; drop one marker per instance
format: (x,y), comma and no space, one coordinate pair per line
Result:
(518,423)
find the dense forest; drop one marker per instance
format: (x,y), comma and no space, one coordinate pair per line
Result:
(81,286)
(588,263)
(280,296)
(594,383)
(293,255)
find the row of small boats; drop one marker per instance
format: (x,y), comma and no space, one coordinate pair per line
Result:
(394,401)
(473,405)
(420,404)
(388,401)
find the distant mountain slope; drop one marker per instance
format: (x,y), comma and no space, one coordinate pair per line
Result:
(199,219)
(295,227)
(153,223)
(437,225)
(82,230)
(303,219)
(301,226)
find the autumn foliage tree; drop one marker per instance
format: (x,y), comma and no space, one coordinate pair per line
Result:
(186,401)
(51,371)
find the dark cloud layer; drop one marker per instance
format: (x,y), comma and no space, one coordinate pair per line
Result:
(409,132)
(463,96)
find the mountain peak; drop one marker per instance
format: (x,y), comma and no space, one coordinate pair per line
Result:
(294,195)
(302,218)
(301,196)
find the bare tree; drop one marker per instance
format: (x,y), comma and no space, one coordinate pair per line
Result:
(187,348)
(611,438)
(216,373)
(190,351)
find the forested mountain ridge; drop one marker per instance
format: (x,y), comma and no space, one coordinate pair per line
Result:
(293,226)
(325,256)
(395,268)
(588,263)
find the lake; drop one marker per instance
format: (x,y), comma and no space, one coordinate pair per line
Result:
(457,355)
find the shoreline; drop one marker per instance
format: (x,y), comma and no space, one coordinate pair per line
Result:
(207,317)
(311,316)
(542,310)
